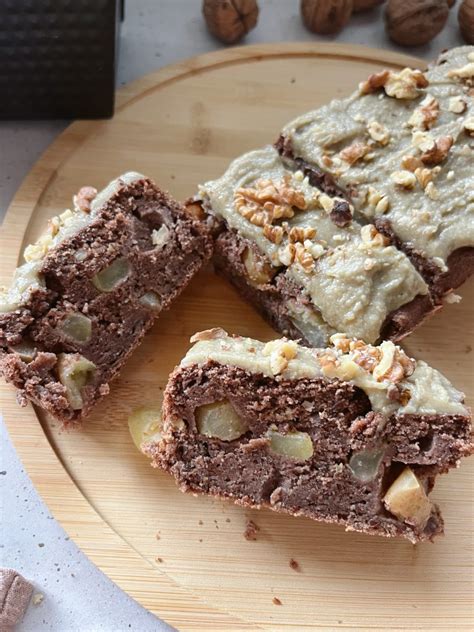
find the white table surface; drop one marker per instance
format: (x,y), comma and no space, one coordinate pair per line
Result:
(77,596)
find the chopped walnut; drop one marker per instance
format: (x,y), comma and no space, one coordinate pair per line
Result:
(374,82)
(378,132)
(424,176)
(469,126)
(403,178)
(301,233)
(457,105)
(354,152)
(405,84)
(268,201)
(208,334)
(394,364)
(438,152)
(426,115)
(466,72)
(341,213)
(411,163)
(273,233)
(431,191)
(83,199)
(378,202)
(423,141)
(280,352)
(371,236)
(297,253)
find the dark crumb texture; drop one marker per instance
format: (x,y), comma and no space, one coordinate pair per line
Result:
(251,530)
(151,276)
(338,419)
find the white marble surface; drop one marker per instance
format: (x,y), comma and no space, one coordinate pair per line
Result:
(77,597)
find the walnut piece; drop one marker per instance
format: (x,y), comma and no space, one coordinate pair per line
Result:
(438,151)
(208,334)
(403,178)
(230,20)
(469,126)
(411,163)
(466,72)
(326,16)
(280,351)
(354,152)
(83,199)
(457,105)
(466,20)
(405,84)
(371,237)
(273,233)
(425,116)
(378,132)
(415,22)
(304,254)
(268,201)
(301,233)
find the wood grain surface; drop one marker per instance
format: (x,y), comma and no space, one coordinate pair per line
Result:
(183,557)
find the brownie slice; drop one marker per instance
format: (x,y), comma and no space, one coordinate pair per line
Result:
(91,287)
(302,259)
(401,150)
(353,434)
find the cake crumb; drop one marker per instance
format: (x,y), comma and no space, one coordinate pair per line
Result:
(277,601)
(295,565)
(251,530)
(200,522)
(37,599)
(159,559)
(158,536)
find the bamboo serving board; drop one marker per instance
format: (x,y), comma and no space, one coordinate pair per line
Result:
(185,558)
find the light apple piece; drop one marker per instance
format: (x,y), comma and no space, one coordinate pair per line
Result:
(406,498)
(220,421)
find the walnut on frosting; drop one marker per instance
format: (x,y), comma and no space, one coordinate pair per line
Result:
(438,152)
(209,334)
(280,351)
(371,236)
(354,152)
(299,253)
(378,132)
(83,199)
(425,116)
(268,201)
(405,84)
(465,73)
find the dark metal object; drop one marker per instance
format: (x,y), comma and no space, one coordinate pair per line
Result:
(58,58)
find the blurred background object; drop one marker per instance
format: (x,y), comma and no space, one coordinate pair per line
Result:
(58,58)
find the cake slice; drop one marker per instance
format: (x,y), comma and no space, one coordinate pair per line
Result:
(400,149)
(90,288)
(304,261)
(353,434)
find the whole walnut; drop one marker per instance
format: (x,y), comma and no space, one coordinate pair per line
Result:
(415,22)
(466,20)
(230,20)
(365,5)
(326,16)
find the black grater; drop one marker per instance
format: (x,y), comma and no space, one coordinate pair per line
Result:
(58,58)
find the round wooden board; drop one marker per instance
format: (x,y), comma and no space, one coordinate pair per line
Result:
(185,558)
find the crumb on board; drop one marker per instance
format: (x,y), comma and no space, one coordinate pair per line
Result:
(200,522)
(251,530)
(277,601)
(158,536)
(37,599)
(295,565)
(159,559)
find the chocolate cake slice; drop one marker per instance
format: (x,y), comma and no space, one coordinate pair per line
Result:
(301,258)
(401,150)
(353,434)
(90,288)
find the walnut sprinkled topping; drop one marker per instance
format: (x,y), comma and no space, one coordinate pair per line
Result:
(423,141)
(426,115)
(301,233)
(83,199)
(411,163)
(431,191)
(403,178)
(273,233)
(405,84)
(466,72)
(438,152)
(424,176)
(268,201)
(371,236)
(298,253)
(457,105)
(354,152)
(378,132)
(208,334)
(280,352)
(374,82)
(469,126)
(378,202)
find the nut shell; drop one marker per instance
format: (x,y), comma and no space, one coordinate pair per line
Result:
(230,20)
(365,5)
(415,22)
(466,20)
(326,16)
